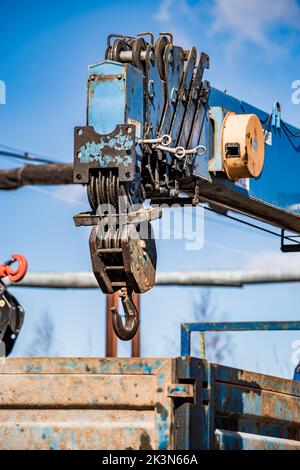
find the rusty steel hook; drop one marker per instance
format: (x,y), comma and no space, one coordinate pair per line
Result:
(132,319)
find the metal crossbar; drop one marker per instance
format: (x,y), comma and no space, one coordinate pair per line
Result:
(188,328)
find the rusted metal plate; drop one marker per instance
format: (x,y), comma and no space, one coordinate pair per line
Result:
(182,403)
(265,409)
(72,429)
(139,256)
(228,440)
(254,380)
(98,151)
(86,404)
(74,390)
(137,217)
(264,405)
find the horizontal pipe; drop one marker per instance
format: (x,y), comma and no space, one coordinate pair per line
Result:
(52,174)
(126,56)
(86,280)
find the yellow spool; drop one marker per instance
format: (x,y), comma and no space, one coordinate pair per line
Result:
(243,147)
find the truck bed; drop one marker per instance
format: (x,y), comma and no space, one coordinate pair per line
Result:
(181,403)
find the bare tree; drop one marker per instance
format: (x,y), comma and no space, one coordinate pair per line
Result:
(218,346)
(42,343)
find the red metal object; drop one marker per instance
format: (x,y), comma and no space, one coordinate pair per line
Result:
(14,275)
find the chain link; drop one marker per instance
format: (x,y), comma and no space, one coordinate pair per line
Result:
(162,143)
(164,140)
(181,152)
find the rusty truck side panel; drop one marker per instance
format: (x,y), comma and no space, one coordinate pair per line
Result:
(85,404)
(182,403)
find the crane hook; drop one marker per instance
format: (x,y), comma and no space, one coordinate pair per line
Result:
(132,320)
(14,275)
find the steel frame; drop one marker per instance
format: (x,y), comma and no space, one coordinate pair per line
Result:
(188,328)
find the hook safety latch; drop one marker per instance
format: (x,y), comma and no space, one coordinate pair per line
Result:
(132,320)
(14,275)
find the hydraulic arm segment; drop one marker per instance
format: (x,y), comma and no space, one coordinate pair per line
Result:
(155,129)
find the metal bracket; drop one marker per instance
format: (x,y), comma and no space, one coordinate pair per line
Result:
(292,247)
(99,151)
(276,115)
(143,215)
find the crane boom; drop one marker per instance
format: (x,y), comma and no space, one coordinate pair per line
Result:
(156,129)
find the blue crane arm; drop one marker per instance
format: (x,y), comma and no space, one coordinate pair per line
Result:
(274,196)
(155,129)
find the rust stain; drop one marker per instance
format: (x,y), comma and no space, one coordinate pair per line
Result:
(84,403)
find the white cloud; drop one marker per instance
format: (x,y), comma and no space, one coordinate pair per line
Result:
(254,21)
(178,12)
(239,22)
(174,16)
(72,194)
(164,12)
(273,259)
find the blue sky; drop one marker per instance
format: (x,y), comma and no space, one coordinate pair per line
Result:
(45,50)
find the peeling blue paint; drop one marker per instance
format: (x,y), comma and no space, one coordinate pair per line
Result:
(33,368)
(162,427)
(161,379)
(120,144)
